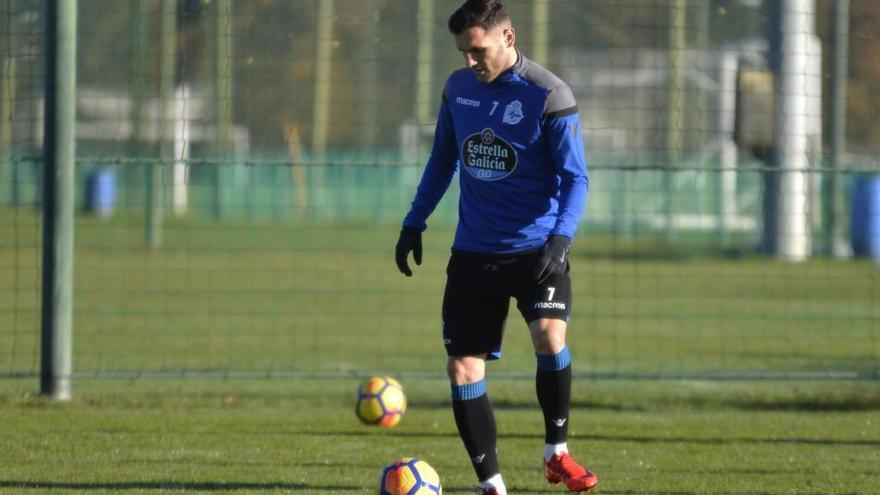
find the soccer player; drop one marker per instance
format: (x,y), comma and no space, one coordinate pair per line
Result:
(511,129)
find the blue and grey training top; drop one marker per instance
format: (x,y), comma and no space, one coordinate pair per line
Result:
(518,143)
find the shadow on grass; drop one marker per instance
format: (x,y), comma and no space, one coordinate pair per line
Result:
(531,404)
(830,442)
(208,487)
(807,403)
(557,491)
(678,492)
(232,487)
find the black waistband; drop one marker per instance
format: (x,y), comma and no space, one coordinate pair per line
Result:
(495,256)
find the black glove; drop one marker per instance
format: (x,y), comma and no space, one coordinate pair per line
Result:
(410,240)
(552,258)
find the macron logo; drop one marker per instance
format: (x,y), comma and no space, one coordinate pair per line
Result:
(550,305)
(559,422)
(467,102)
(478,459)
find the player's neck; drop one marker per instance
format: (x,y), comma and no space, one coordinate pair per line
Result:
(509,63)
(512,59)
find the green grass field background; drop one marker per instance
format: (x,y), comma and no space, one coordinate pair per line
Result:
(301,436)
(267,298)
(227,362)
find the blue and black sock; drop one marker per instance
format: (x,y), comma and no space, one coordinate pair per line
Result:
(553,386)
(476,426)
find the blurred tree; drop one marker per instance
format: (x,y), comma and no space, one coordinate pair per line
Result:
(863,89)
(274,50)
(192,36)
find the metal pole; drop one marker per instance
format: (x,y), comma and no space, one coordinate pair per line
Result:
(836,211)
(140,63)
(323,78)
(792,231)
(675,111)
(181,135)
(729,65)
(368,68)
(167,64)
(770,175)
(424,61)
(7,113)
(223,85)
(58,162)
(540,28)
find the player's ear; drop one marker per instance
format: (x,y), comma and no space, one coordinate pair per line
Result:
(509,36)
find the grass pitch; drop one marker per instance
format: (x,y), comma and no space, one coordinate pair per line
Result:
(318,307)
(276,436)
(275,299)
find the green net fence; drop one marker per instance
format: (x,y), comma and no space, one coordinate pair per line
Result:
(299,130)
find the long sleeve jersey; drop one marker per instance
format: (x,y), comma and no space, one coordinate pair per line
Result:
(518,147)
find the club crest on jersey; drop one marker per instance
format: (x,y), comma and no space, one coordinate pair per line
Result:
(487,156)
(513,113)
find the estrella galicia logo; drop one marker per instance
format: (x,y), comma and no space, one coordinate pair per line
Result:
(487,157)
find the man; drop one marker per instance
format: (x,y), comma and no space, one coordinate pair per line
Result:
(513,129)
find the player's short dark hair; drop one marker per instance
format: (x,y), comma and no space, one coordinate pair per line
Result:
(477,13)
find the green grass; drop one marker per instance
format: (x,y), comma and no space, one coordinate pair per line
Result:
(270,298)
(301,436)
(295,301)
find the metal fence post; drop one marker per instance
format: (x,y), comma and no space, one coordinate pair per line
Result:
(58,162)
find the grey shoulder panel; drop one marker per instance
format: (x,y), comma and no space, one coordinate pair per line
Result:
(560,99)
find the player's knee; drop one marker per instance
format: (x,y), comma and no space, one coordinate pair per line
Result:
(462,370)
(548,342)
(548,336)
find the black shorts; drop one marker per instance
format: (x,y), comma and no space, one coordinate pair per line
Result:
(477,299)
